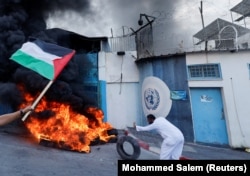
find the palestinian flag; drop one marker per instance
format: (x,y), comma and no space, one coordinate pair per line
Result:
(46,59)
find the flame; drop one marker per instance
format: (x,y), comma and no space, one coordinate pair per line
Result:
(67,128)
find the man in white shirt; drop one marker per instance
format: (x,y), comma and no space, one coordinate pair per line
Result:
(173,139)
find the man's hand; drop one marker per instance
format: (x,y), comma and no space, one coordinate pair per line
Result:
(27,109)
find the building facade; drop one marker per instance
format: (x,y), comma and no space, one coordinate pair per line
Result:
(219,86)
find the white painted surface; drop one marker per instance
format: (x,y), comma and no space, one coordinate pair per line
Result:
(122,88)
(102,66)
(235,86)
(121,68)
(122,104)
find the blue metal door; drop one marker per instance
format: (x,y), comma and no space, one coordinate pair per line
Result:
(208,116)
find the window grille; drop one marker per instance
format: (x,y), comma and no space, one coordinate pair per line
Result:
(204,71)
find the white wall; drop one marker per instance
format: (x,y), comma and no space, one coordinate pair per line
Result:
(122,79)
(235,86)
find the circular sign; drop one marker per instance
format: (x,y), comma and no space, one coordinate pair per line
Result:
(155,97)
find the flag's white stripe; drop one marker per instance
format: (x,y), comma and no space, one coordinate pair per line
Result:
(36,52)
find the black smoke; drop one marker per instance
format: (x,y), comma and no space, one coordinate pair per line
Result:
(22,19)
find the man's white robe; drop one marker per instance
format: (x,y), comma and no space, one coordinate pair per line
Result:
(173,140)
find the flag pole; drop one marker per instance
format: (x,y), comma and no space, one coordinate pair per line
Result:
(38,99)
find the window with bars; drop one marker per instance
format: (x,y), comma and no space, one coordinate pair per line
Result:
(204,71)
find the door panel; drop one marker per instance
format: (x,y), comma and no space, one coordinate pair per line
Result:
(208,116)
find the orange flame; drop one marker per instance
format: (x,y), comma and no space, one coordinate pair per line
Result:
(66,127)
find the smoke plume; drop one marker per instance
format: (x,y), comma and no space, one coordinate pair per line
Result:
(21,19)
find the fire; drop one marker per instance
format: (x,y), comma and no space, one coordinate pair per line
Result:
(66,128)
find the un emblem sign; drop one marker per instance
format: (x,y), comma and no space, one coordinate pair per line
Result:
(151,98)
(155,97)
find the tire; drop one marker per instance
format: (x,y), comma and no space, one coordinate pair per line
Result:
(120,149)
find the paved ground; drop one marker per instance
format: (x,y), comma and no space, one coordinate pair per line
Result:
(152,142)
(22,156)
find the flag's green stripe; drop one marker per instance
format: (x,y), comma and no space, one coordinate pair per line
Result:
(34,64)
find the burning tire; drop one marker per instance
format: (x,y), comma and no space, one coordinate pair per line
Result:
(132,155)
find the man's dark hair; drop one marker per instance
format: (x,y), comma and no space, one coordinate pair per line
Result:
(151,116)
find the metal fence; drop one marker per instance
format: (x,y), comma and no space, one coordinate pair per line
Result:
(123,43)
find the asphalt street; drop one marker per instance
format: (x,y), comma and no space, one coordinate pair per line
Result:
(22,156)
(192,151)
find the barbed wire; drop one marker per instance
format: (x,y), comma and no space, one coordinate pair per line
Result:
(189,11)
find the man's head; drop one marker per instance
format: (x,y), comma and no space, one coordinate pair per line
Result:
(150,118)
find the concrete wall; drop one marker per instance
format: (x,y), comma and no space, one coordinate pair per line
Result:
(120,76)
(235,85)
